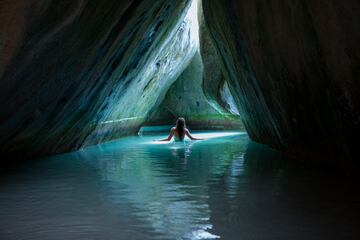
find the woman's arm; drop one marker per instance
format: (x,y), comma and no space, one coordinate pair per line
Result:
(187,132)
(171,134)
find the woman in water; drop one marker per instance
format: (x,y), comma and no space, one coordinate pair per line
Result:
(179,131)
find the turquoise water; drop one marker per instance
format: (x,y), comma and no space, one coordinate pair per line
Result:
(224,187)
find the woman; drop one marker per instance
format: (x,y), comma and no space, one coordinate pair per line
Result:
(179,131)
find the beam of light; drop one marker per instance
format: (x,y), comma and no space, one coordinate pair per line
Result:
(205,136)
(217,134)
(192,18)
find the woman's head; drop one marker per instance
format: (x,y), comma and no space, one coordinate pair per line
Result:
(180,122)
(180,127)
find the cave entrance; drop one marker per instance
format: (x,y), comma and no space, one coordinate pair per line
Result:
(200,93)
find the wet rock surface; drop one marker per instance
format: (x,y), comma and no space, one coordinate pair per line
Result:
(293,70)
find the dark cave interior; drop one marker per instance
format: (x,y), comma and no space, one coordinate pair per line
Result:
(77,73)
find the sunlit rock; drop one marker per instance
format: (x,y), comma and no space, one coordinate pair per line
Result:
(186,98)
(198,94)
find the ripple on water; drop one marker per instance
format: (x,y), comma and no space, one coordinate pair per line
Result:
(223,187)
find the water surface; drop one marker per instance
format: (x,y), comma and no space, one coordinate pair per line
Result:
(224,187)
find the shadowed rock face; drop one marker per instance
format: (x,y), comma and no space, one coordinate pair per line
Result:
(293,69)
(75,73)
(80,72)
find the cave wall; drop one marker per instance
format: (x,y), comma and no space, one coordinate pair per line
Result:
(201,92)
(293,69)
(74,73)
(186,98)
(214,77)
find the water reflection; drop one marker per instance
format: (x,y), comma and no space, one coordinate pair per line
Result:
(164,182)
(224,187)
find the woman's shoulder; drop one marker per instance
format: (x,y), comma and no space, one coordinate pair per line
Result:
(173,129)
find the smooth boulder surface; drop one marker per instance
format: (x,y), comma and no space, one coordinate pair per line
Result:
(187,98)
(293,69)
(75,73)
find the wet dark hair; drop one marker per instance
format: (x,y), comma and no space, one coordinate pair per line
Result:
(180,127)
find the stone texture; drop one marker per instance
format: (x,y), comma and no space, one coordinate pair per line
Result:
(80,72)
(213,74)
(293,69)
(200,94)
(186,98)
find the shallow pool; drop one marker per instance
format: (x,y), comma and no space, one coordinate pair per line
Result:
(224,187)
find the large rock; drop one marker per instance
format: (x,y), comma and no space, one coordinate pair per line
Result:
(293,69)
(80,72)
(201,93)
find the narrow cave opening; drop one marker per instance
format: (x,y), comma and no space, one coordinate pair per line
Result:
(200,93)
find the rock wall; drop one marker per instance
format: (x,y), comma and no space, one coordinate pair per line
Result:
(79,72)
(74,73)
(187,98)
(293,69)
(201,93)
